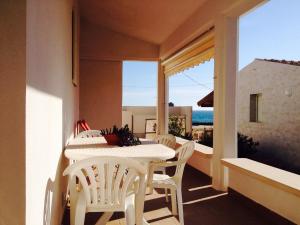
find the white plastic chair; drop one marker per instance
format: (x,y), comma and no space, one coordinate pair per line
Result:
(173,183)
(89,133)
(168,140)
(105,184)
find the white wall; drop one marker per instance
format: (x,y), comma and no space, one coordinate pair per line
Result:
(51,107)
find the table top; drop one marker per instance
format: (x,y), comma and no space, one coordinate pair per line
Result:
(81,148)
(98,141)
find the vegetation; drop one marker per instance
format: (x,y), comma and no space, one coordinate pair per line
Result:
(246,146)
(125,136)
(187,136)
(207,138)
(176,127)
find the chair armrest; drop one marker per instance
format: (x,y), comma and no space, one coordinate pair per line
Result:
(152,166)
(167,163)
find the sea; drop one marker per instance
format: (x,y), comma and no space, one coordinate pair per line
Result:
(203,117)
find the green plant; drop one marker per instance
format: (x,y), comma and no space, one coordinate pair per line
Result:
(246,146)
(175,126)
(207,138)
(187,136)
(126,137)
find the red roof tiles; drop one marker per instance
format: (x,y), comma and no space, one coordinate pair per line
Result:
(294,63)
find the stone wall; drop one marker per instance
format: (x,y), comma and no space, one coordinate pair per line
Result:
(279,128)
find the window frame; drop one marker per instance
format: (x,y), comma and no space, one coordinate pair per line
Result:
(255,114)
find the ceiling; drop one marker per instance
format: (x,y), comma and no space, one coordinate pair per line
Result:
(148,20)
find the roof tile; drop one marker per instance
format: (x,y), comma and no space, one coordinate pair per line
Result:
(289,62)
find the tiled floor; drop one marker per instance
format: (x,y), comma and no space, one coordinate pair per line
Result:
(202,205)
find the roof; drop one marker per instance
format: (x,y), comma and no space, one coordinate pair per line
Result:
(147,20)
(283,61)
(207,101)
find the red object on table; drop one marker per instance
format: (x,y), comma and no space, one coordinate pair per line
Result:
(112,139)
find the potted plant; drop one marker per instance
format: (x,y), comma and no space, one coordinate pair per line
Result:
(120,136)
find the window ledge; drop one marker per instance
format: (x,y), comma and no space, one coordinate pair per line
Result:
(281,179)
(205,151)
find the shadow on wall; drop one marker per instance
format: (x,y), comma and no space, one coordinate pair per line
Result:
(47,202)
(278,156)
(54,200)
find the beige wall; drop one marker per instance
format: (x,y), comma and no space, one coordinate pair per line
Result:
(279,85)
(101,54)
(266,194)
(103,44)
(12,111)
(51,107)
(137,115)
(101,93)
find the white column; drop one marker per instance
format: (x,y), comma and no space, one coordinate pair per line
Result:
(162,111)
(225,126)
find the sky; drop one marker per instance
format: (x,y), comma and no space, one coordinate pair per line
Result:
(269,31)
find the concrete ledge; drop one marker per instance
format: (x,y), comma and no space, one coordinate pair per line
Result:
(282,179)
(275,189)
(202,157)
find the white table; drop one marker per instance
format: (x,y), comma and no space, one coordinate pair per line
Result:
(83,142)
(82,148)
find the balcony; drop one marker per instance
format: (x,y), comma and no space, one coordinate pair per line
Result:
(202,205)
(43,93)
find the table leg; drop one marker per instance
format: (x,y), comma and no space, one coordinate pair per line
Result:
(140,199)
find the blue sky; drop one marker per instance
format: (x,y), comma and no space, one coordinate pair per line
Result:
(270,31)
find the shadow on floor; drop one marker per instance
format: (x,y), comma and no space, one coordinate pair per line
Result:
(202,205)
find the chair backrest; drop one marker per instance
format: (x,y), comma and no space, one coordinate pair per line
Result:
(183,154)
(83,125)
(89,133)
(105,181)
(168,140)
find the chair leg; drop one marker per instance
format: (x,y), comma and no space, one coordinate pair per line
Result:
(140,201)
(104,218)
(180,206)
(80,210)
(166,190)
(130,210)
(73,200)
(150,179)
(174,202)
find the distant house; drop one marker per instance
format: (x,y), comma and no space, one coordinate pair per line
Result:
(268,105)
(207,101)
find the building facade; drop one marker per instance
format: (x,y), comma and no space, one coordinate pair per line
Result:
(269,108)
